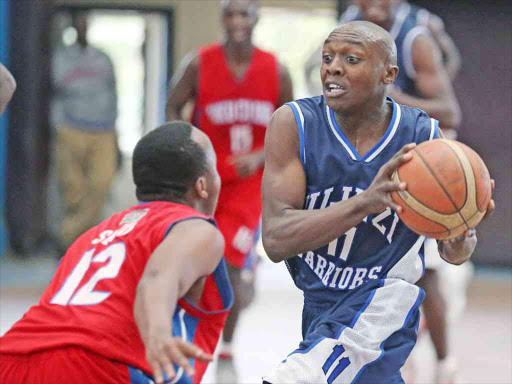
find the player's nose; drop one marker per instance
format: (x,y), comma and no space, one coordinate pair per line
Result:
(335,67)
(238,21)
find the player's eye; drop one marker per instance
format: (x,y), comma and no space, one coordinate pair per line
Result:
(352,59)
(327,58)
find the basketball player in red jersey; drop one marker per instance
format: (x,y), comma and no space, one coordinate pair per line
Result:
(235,87)
(142,296)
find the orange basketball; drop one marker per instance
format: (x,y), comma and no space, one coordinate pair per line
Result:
(448,189)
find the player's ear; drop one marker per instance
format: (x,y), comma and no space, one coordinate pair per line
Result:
(390,74)
(200,187)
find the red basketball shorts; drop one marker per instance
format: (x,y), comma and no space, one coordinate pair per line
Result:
(238,217)
(68,365)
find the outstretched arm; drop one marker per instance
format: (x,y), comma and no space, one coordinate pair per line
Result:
(7,87)
(183,87)
(288,229)
(190,251)
(432,83)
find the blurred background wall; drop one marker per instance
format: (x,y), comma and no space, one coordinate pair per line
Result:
(148,39)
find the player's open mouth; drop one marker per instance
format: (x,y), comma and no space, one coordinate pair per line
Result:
(333,89)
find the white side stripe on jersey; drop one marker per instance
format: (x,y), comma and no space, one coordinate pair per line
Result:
(402,13)
(301,117)
(181,315)
(407,49)
(434,125)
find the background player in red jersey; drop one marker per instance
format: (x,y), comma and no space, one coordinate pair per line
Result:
(235,87)
(145,292)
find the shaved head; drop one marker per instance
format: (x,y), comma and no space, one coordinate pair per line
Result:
(239,18)
(365,32)
(252,5)
(358,63)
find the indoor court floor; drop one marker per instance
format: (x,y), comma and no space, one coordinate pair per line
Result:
(270,328)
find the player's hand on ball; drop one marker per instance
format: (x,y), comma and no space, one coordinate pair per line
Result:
(163,352)
(459,249)
(466,243)
(491,206)
(378,194)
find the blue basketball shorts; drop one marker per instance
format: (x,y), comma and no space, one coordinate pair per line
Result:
(363,337)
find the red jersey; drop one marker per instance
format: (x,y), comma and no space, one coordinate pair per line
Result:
(89,302)
(234,113)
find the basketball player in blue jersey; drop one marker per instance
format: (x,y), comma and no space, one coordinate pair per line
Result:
(403,10)
(327,212)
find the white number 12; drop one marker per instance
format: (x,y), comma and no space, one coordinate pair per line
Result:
(86,295)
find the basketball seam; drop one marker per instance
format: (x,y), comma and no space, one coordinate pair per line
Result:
(419,213)
(443,188)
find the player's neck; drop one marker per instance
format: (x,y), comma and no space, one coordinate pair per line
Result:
(238,53)
(371,119)
(388,24)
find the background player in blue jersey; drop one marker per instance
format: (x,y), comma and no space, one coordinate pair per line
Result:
(422,82)
(327,212)
(401,10)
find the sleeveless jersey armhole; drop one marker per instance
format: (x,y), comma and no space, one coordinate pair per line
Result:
(434,129)
(170,227)
(299,119)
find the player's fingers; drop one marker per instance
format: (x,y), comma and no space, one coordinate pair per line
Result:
(493,184)
(399,186)
(391,186)
(491,207)
(395,162)
(394,206)
(470,232)
(193,351)
(176,355)
(406,148)
(467,234)
(169,371)
(166,366)
(157,372)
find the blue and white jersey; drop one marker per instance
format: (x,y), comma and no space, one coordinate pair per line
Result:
(409,22)
(379,247)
